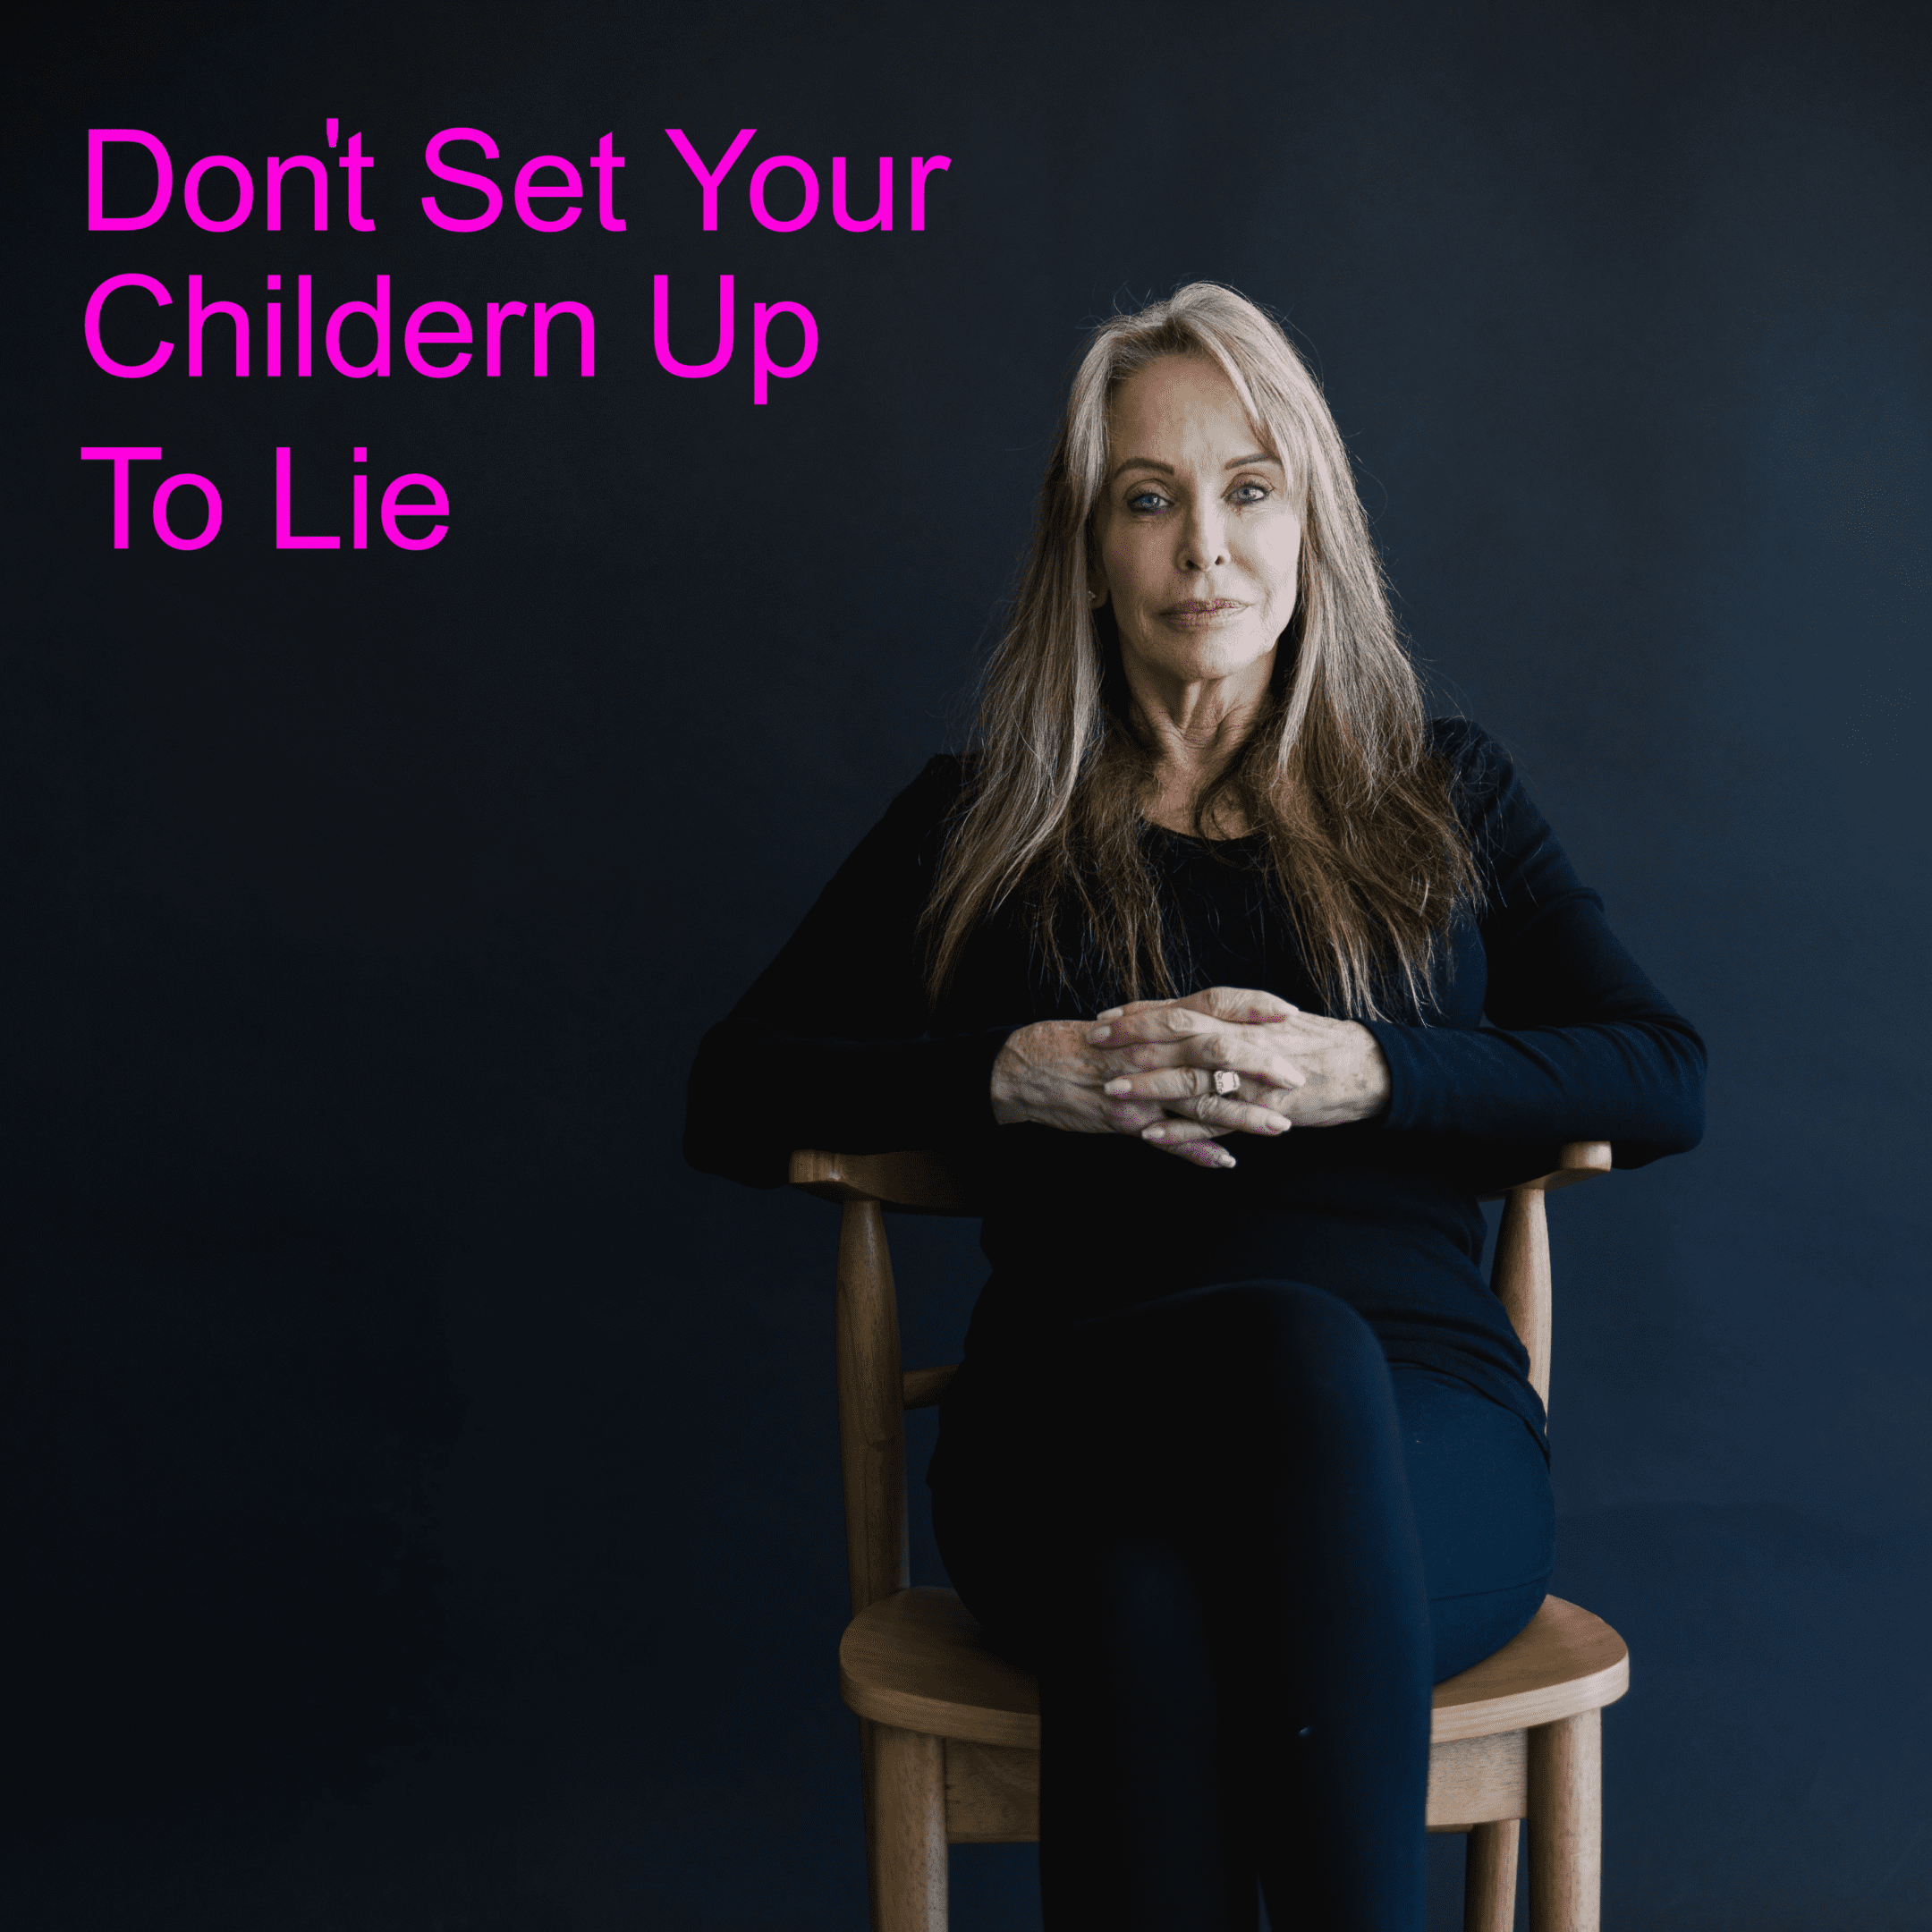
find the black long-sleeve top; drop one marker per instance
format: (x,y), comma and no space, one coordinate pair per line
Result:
(1542,1030)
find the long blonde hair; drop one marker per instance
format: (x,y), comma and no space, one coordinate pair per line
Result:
(1366,851)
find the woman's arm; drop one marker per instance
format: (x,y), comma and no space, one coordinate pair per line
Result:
(1580,1043)
(830,1047)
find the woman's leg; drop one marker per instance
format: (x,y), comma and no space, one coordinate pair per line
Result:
(1198,1521)
(1478,1484)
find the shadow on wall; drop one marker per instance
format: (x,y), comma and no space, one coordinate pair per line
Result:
(1775,1721)
(229,1391)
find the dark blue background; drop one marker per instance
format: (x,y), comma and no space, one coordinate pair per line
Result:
(423,1501)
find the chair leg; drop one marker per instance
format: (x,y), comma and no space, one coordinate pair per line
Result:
(1489,1878)
(905,1834)
(1566,1824)
(866,1729)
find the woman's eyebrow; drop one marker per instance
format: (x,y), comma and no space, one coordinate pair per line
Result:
(1167,469)
(1140,462)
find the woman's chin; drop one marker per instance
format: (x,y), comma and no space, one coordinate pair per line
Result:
(1206,658)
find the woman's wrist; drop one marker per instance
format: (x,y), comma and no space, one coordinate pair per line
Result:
(1008,1083)
(1349,1079)
(1372,1080)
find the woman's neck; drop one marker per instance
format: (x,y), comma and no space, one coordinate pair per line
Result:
(1197,730)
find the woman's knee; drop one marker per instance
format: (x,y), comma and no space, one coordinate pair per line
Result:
(1294,1336)
(1270,1358)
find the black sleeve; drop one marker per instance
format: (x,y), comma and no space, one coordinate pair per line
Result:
(831,1047)
(1581,1045)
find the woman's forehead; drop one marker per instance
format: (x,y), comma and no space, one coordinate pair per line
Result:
(1195,381)
(1180,402)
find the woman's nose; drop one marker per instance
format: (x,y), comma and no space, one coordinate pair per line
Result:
(1204,540)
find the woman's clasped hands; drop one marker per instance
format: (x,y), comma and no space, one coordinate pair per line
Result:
(1182,1073)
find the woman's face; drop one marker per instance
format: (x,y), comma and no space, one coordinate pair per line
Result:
(1197,537)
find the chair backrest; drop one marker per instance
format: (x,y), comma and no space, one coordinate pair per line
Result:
(876,1389)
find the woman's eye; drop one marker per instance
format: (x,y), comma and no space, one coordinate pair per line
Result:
(1252,493)
(1146,500)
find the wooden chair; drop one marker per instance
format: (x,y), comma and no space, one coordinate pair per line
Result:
(950,1733)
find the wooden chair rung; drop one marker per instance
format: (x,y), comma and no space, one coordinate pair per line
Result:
(925,1387)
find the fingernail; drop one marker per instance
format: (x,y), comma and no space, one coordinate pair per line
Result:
(1223,1158)
(1276,1125)
(1118,1086)
(1098,1037)
(1153,1134)
(1112,1013)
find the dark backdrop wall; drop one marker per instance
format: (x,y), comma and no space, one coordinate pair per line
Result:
(422,1489)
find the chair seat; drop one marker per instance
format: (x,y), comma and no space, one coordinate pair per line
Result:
(916,1660)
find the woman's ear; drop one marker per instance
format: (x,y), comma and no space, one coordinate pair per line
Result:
(1097,583)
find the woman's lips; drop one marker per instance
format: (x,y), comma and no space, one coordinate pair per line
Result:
(1198,612)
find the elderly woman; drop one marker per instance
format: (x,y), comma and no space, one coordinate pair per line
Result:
(1194,951)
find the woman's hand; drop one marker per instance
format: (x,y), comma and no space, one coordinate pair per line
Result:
(1069,1073)
(1319,1072)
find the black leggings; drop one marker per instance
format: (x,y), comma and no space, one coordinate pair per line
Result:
(1239,1547)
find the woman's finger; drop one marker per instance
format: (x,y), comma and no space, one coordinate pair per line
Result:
(1186,1131)
(1229,1005)
(1201,1154)
(1163,1020)
(1241,1006)
(1181,1083)
(1202,1150)
(1158,1025)
(1251,1056)
(1222,1111)
(1129,1117)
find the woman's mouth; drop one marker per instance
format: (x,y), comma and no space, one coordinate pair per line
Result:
(1198,612)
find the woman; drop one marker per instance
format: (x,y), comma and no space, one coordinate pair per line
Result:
(1243,1456)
